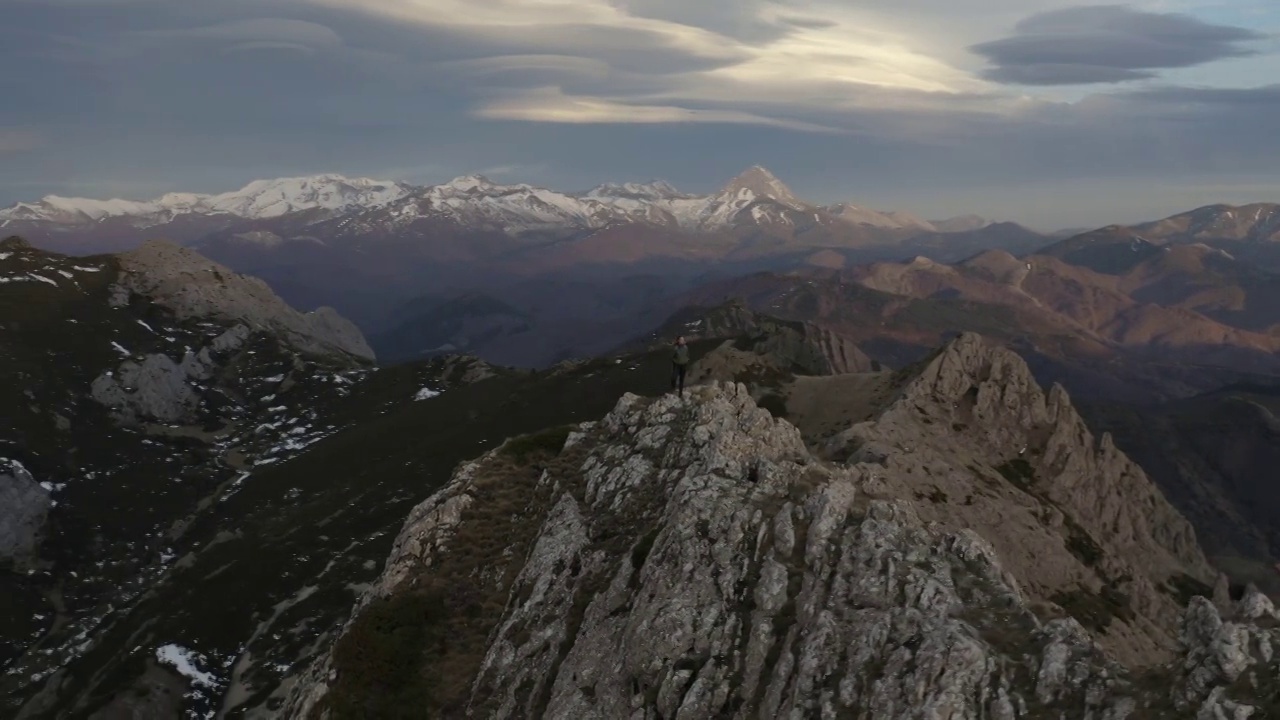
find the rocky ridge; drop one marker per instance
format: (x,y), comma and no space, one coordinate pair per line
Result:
(762,343)
(696,558)
(190,285)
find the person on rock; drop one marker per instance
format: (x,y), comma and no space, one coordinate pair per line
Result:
(679,363)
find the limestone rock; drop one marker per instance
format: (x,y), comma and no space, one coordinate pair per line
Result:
(1074,520)
(24,506)
(157,387)
(193,286)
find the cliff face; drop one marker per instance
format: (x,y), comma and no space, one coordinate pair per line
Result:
(694,558)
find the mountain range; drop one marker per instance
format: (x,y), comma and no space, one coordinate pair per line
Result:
(528,276)
(755,196)
(584,267)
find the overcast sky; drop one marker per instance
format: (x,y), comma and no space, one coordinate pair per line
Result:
(1046,112)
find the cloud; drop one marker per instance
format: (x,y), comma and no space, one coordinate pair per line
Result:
(1107,44)
(674,61)
(843,98)
(553,106)
(255,32)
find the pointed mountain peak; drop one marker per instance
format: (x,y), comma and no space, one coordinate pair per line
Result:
(761,183)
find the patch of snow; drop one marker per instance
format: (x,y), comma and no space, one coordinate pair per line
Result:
(42,278)
(184,662)
(147,326)
(81,268)
(120,349)
(426,394)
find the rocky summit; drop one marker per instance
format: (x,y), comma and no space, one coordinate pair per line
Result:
(969,550)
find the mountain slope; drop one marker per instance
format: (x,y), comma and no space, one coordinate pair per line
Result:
(220,505)
(1096,305)
(694,558)
(136,392)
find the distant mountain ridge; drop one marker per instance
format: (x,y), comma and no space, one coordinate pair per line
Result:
(1246,232)
(755,195)
(258,199)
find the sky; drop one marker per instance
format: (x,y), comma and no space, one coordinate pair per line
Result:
(1055,114)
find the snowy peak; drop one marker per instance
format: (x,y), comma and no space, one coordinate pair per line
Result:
(761,183)
(272,198)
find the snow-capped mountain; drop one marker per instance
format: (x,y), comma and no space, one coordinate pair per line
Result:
(475,202)
(471,201)
(303,213)
(257,200)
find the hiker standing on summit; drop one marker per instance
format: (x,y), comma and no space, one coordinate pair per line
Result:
(679,363)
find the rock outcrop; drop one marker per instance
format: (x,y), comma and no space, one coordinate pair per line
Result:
(24,506)
(759,347)
(191,285)
(692,558)
(158,388)
(980,445)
